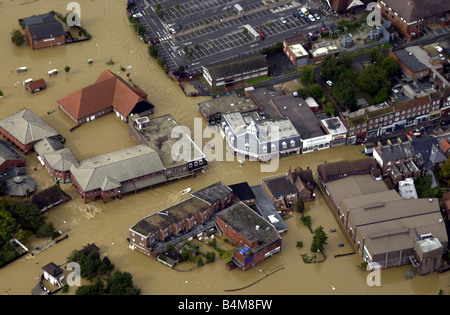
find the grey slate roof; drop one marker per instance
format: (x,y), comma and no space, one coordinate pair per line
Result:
(410,61)
(39,19)
(27,127)
(213,193)
(225,69)
(413,10)
(251,225)
(106,171)
(57,156)
(397,152)
(43,26)
(52,269)
(19,186)
(7,153)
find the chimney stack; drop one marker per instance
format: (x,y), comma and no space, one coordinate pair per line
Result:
(409,138)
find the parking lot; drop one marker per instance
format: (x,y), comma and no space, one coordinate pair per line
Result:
(195,33)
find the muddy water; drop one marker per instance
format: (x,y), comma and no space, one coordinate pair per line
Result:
(107,225)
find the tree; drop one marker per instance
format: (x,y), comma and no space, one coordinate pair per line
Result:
(315,91)
(17,37)
(376,55)
(153,51)
(121,283)
(331,68)
(319,239)
(371,79)
(345,94)
(445,169)
(67,69)
(300,205)
(1,94)
(390,66)
(307,75)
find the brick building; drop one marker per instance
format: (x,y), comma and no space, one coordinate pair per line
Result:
(411,16)
(295,48)
(57,159)
(228,73)
(110,93)
(44,31)
(257,239)
(10,158)
(24,129)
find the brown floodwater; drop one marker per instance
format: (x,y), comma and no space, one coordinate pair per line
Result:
(107,224)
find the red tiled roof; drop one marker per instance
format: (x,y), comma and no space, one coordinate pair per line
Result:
(445,145)
(38,84)
(108,91)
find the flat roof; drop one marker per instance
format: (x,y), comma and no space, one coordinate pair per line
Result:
(301,115)
(409,59)
(172,214)
(157,133)
(353,186)
(213,193)
(298,50)
(227,104)
(262,97)
(248,223)
(333,125)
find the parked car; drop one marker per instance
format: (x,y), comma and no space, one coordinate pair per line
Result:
(442,57)
(439,49)
(317,16)
(307,20)
(301,14)
(261,35)
(283,20)
(330,83)
(172,31)
(311,17)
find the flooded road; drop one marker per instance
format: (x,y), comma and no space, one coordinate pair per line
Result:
(107,224)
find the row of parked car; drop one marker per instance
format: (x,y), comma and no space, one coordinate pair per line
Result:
(308,16)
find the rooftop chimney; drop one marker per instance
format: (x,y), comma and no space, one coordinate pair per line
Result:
(389,144)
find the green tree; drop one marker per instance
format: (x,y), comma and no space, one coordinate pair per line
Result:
(390,66)
(307,75)
(67,69)
(331,68)
(121,283)
(376,55)
(371,79)
(445,169)
(346,60)
(153,51)
(17,37)
(94,289)
(300,205)
(319,239)
(315,91)
(345,94)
